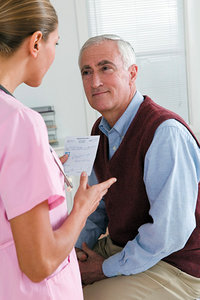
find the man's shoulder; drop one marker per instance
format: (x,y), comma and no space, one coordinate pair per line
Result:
(152,112)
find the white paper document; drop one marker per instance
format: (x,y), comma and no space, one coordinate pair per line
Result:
(82,152)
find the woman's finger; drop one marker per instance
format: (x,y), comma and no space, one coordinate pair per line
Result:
(83,180)
(63,158)
(106,184)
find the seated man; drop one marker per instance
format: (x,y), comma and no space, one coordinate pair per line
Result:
(153,211)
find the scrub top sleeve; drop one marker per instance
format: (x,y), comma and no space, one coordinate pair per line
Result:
(29,174)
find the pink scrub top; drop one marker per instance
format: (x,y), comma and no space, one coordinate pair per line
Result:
(28,176)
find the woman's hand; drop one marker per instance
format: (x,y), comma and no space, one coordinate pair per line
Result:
(87,197)
(63,158)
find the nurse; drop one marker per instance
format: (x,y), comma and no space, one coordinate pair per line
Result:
(37,258)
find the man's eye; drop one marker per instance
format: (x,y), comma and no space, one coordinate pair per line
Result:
(105,68)
(85,73)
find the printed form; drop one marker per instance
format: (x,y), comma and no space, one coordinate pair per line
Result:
(82,152)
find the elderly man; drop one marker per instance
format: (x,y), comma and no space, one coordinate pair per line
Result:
(152,250)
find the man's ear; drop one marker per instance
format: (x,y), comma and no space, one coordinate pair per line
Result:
(133,69)
(35,43)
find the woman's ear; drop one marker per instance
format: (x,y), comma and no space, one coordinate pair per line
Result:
(35,43)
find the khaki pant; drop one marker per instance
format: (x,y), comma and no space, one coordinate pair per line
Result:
(161,282)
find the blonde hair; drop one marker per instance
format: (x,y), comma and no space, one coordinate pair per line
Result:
(21,18)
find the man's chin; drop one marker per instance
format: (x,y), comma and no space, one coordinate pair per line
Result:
(101,108)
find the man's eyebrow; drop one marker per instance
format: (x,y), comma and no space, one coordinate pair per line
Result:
(101,63)
(105,62)
(86,67)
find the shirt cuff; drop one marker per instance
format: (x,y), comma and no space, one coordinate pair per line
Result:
(111,266)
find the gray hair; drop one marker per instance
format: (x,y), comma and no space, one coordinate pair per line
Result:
(124,47)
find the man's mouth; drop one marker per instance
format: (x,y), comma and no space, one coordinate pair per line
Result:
(99,93)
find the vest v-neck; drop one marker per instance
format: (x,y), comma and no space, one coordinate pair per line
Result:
(126,136)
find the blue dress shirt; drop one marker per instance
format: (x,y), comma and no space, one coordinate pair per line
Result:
(171,182)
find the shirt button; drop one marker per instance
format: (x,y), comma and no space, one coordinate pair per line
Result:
(114,148)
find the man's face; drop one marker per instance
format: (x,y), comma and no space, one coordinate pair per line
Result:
(108,86)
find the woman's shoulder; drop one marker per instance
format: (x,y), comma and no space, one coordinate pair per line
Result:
(11,109)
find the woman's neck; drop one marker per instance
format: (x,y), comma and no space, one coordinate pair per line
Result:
(11,72)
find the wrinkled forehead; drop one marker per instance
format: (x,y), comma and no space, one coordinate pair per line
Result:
(104,51)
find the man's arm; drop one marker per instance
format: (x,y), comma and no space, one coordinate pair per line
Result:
(171,176)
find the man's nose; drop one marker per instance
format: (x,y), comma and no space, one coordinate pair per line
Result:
(96,80)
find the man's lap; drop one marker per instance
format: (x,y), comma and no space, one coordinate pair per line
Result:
(161,282)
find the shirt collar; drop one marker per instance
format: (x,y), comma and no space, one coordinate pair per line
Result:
(125,120)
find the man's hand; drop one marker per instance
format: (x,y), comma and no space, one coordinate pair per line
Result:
(81,255)
(91,268)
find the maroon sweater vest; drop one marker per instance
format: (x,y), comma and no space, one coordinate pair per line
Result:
(127,204)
